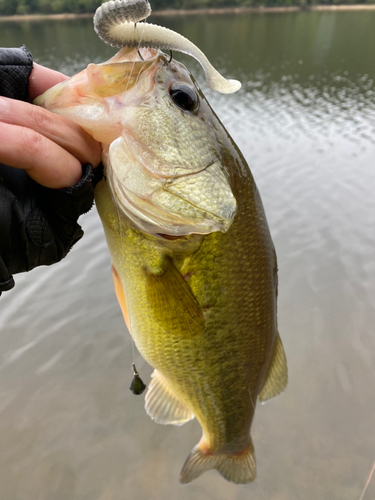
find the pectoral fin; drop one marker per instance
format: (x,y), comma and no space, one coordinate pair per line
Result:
(173,303)
(162,405)
(277,375)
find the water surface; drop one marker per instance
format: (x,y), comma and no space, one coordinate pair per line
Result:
(305,120)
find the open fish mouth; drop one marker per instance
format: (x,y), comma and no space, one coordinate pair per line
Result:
(201,202)
(160,150)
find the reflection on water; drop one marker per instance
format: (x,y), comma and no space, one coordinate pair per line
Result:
(305,120)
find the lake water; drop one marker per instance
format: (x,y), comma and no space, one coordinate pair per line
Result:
(305,120)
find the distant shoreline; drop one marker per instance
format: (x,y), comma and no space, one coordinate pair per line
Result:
(211,11)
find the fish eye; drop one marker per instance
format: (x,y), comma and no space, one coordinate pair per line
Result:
(184,97)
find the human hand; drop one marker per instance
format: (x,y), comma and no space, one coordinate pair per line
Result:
(49,147)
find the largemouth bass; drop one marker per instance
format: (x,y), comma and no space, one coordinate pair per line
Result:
(193,263)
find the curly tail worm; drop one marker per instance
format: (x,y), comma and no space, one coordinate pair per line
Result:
(115,22)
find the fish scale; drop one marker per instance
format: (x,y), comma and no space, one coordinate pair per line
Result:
(231,354)
(193,261)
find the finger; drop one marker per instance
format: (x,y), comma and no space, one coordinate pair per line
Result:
(45,161)
(41,79)
(58,129)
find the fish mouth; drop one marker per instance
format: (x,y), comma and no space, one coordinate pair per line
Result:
(169,237)
(185,205)
(200,202)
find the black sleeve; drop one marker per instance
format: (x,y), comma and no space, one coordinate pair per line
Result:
(15,69)
(38,226)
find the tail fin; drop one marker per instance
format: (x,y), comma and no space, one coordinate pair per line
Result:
(239,468)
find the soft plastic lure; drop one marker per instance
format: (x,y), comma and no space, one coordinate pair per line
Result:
(115,22)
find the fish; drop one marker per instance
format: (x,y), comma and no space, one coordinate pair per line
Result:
(193,263)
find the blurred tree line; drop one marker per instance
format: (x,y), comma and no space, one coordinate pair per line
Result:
(11,7)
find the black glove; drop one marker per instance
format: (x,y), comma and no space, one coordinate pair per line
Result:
(38,226)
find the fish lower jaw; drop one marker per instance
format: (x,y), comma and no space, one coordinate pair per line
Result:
(164,224)
(199,203)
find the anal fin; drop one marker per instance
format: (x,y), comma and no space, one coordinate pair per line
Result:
(162,405)
(277,378)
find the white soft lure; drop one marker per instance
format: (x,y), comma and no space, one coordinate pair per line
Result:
(115,22)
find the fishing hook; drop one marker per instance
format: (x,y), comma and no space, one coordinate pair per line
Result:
(140,55)
(170,59)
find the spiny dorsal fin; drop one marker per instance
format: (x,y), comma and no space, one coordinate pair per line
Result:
(162,405)
(277,376)
(239,468)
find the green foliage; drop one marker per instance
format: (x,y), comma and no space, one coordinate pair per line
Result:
(11,7)
(22,8)
(8,7)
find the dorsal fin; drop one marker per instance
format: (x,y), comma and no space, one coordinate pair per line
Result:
(277,376)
